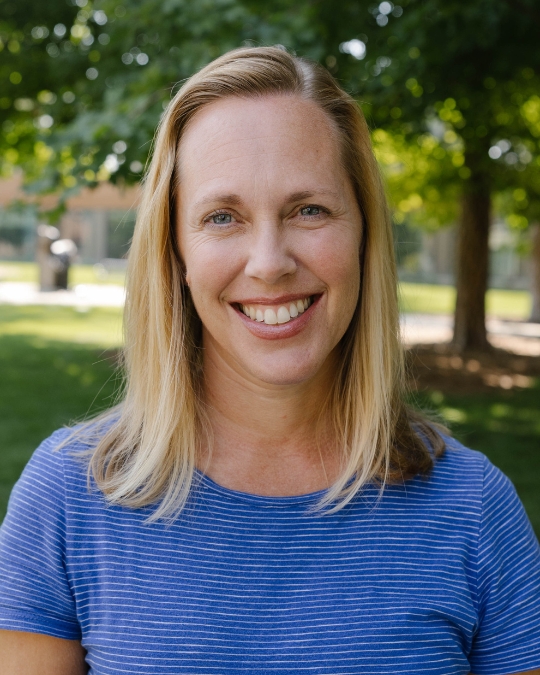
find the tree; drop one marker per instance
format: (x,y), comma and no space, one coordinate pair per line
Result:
(85,82)
(521,206)
(456,80)
(466,74)
(535,281)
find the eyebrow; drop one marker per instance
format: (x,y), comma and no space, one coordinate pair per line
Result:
(232,200)
(235,200)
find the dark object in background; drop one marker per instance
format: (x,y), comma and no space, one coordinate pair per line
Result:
(63,252)
(54,257)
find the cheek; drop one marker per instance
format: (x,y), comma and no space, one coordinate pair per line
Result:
(336,260)
(210,266)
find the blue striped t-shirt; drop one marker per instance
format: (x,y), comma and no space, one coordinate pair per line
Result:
(439,576)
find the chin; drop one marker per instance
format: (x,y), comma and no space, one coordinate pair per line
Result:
(285,371)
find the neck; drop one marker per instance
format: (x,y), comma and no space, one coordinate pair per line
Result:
(268,439)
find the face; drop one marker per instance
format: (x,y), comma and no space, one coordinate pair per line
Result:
(269,232)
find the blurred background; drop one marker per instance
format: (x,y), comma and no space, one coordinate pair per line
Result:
(451,93)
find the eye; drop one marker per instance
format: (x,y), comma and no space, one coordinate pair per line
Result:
(221,218)
(310,211)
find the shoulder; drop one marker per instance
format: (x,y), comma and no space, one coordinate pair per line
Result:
(468,470)
(35,593)
(60,451)
(466,479)
(59,466)
(463,487)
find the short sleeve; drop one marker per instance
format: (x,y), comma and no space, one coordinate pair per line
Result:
(508,573)
(34,591)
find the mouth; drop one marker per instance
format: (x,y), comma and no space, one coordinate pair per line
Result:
(278,314)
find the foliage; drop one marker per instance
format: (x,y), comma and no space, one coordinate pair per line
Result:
(89,113)
(419,177)
(460,81)
(448,88)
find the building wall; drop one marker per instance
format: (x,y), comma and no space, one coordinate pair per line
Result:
(433,259)
(99,221)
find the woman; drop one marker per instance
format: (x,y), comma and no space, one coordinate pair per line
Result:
(262,500)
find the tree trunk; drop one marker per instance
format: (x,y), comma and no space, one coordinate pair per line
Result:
(473,266)
(535,274)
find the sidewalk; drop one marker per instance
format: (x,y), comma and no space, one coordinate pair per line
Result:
(81,296)
(438,327)
(518,336)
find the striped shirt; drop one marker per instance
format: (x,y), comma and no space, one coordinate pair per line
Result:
(439,575)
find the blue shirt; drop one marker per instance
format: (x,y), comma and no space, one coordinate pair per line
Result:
(438,576)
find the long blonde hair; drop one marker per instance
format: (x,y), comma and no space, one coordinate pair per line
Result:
(145,449)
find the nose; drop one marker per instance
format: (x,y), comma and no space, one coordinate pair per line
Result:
(269,257)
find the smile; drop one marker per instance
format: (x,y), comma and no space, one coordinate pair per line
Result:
(277,314)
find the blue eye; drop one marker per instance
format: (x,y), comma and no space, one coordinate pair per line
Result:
(310,211)
(221,218)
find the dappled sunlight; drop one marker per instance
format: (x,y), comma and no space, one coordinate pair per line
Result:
(97,326)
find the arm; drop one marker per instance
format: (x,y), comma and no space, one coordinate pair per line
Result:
(37,654)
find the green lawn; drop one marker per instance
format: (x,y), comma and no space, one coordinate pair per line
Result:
(431,299)
(99,326)
(44,385)
(56,367)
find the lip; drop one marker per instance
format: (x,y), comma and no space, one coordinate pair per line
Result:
(278,331)
(278,300)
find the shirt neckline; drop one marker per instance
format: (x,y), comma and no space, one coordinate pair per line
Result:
(261,500)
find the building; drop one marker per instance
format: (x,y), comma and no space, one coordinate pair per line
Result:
(99,221)
(425,257)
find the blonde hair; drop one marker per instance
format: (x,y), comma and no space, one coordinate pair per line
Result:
(145,450)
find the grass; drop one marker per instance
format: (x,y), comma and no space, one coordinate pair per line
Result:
(55,369)
(98,326)
(431,299)
(45,384)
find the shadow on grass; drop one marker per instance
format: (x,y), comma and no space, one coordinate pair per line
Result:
(46,384)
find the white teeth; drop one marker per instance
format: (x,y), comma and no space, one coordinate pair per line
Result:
(270,317)
(283,315)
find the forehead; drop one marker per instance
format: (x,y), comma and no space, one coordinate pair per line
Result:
(273,139)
